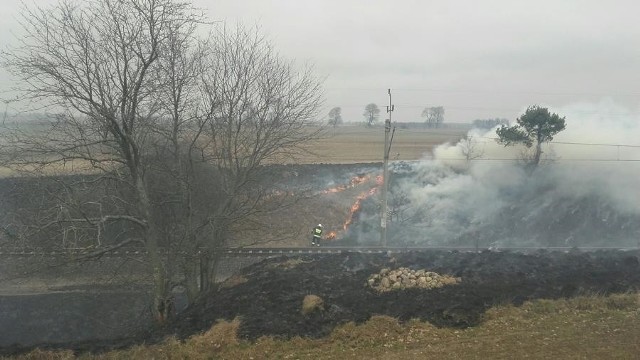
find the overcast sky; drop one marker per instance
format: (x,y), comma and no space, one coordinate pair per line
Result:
(478,59)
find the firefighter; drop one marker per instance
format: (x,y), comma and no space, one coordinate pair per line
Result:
(317,235)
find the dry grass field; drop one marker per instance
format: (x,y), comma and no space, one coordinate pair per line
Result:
(345,144)
(357,143)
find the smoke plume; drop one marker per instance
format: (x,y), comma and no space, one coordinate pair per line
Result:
(477,192)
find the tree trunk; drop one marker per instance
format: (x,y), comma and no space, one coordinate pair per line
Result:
(213,269)
(192,275)
(208,271)
(162,303)
(538,154)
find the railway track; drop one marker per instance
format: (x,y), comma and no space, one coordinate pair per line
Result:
(391,250)
(290,251)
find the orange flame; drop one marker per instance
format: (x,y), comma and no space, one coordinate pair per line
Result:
(356,206)
(355,181)
(379,180)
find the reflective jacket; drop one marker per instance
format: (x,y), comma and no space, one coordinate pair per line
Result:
(317,231)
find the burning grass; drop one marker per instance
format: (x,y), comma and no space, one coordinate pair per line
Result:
(363,181)
(593,327)
(332,200)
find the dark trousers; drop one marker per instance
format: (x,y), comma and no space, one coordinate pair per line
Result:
(315,240)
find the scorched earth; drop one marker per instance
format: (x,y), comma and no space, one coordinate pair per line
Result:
(268,296)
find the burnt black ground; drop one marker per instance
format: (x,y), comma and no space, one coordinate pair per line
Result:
(269,302)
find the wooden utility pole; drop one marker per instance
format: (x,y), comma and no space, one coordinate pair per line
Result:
(385,175)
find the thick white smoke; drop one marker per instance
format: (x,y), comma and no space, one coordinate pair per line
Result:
(586,191)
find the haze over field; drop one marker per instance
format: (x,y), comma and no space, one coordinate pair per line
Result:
(477,59)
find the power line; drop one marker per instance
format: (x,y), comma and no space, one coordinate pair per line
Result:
(551,160)
(550,142)
(578,143)
(377,159)
(495,138)
(594,144)
(487,91)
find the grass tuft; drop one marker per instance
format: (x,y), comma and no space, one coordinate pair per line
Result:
(222,334)
(312,303)
(234,280)
(39,354)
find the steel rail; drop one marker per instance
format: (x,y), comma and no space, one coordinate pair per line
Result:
(265,251)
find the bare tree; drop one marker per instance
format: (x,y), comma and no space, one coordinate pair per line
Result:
(470,149)
(434,116)
(171,132)
(398,205)
(371,114)
(96,64)
(261,110)
(426,115)
(335,116)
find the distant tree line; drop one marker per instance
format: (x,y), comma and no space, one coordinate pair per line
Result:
(433,116)
(489,123)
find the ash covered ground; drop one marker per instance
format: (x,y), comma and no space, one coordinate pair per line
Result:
(268,296)
(270,301)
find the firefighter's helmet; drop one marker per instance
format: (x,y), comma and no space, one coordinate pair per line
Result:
(319,225)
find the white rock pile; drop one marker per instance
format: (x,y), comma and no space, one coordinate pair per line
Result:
(405,278)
